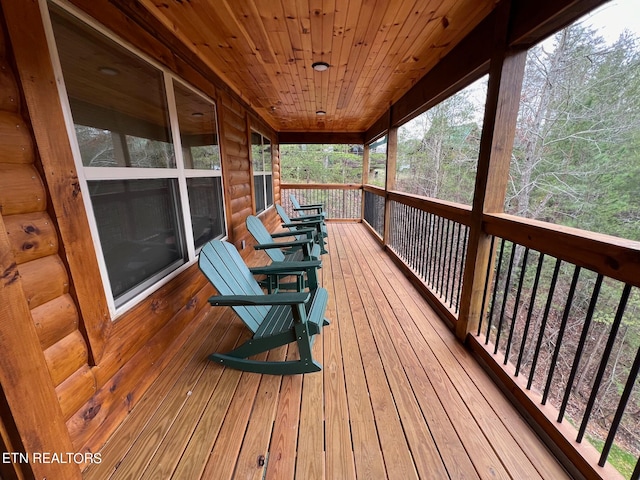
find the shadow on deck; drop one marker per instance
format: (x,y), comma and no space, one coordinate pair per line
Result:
(399,397)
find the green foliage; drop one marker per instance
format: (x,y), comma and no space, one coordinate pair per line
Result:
(576,158)
(438,150)
(301,163)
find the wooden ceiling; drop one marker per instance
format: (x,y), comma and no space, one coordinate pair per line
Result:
(264,49)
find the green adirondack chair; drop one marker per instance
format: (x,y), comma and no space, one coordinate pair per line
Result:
(306,221)
(275,320)
(299,251)
(317,208)
(302,248)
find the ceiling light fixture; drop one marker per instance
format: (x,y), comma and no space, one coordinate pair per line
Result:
(112,72)
(320,66)
(321,112)
(197,114)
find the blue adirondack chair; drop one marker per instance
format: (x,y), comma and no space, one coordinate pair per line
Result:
(275,320)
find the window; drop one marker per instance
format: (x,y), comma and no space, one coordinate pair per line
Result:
(262,174)
(154,199)
(438,150)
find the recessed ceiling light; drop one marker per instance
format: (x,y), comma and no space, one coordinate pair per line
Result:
(321,112)
(112,72)
(320,66)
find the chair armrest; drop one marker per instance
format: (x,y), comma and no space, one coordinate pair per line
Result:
(302,223)
(313,206)
(305,218)
(290,268)
(295,243)
(282,234)
(293,234)
(259,300)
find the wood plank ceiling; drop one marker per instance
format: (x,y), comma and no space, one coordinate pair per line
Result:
(376,49)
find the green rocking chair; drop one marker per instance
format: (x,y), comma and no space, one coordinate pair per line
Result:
(275,319)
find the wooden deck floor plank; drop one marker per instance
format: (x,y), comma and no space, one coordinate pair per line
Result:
(367,452)
(254,453)
(451,448)
(169,452)
(401,361)
(499,434)
(394,381)
(198,450)
(485,460)
(125,437)
(397,455)
(339,452)
(149,440)
(224,454)
(281,463)
(310,460)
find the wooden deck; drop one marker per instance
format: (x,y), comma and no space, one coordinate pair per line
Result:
(398,398)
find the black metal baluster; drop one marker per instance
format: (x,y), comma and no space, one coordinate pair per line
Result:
(456,267)
(534,293)
(423,244)
(545,317)
(563,326)
(462,264)
(580,348)
(428,247)
(636,471)
(441,287)
(440,257)
(485,294)
(450,243)
(605,359)
(507,286)
(495,291)
(514,316)
(622,405)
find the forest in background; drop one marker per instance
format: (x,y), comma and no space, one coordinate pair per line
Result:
(575,162)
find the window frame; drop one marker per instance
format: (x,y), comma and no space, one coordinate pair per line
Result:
(264,174)
(180,173)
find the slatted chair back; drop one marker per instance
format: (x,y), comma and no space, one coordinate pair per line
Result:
(262,236)
(283,214)
(223,266)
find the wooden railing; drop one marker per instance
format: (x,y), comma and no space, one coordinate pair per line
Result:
(558,306)
(341,201)
(373,209)
(432,244)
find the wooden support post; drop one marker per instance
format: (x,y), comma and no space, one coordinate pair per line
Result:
(39,85)
(390,180)
(365,174)
(25,380)
(501,112)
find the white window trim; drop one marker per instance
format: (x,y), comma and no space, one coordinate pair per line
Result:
(86,174)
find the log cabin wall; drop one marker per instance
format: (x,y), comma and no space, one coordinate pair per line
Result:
(98,368)
(33,236)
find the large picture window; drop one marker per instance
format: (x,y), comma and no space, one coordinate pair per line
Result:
(262,173)
(149,159)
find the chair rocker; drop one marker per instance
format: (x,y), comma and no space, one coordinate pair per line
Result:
(305,221)
(275,320)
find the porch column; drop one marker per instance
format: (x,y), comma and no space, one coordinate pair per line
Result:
(390,180)
(501,112)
